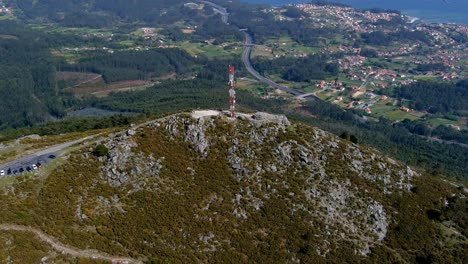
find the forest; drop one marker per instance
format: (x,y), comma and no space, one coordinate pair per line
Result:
(304,69)
(99,13)
(134,65)
(435,97)
(29,93)
(392,139)
(380,38)
(27,85)
(444,132)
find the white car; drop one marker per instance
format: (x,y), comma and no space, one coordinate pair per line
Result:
(34,167)
(2,173)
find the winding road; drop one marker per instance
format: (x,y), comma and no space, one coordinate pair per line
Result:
(248,51)
(248,64)
(69,250)
(219,9)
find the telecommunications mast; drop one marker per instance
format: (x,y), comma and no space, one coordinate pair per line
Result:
(232,92)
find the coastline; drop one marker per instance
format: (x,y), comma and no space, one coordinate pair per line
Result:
(426,15)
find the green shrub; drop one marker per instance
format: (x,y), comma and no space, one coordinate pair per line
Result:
(100,151)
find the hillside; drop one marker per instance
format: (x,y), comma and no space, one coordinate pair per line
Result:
(202,187)
(94,13)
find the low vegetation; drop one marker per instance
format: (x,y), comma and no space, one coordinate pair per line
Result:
(191,202)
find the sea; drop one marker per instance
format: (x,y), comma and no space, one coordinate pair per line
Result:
(446,11)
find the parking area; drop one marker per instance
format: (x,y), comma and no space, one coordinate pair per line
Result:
(27,164)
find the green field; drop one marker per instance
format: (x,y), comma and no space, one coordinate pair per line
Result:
(7,16)
(382,109)
(208,50)
(254,87)
(127,43)
(441,121)
(399,115)
(285,45)
(425,78)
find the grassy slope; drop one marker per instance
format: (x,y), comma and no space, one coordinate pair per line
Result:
(171,219)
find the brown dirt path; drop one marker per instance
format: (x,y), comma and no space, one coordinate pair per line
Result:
(69,250)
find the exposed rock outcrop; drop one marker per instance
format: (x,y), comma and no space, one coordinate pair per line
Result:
(251,166)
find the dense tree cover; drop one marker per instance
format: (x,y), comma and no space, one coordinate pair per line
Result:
(301,32)
(313,67)
(177,96)
(69,125)
(41,40)
(431,67)
(29,93)
(370,53)
(458,37)
(294,12)
(380,38)
(444,132)
(451,134)
(213,28)
(411,36)
(169,96)
(327,2)
(377,10)
(393,140)
(215,69)
(100,13)
(174,33)
(434,97)
(132,65)
(27,85)
(263,26)
(394,22)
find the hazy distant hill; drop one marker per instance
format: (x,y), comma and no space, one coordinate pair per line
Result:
(432,10)
(102,12)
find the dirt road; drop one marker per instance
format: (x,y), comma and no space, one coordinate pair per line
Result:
(69,250)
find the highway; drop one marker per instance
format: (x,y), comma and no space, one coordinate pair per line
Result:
(246,59)
(219,9)
(248,51)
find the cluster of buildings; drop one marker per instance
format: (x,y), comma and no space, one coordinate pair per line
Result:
(444,48)
(346,17)
(4,9)
(148,32)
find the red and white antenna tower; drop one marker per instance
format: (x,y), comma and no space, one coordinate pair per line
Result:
(232,92)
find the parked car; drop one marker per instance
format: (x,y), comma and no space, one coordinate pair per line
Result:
(28,168)
(52,156)
(2,173)
(21,169)
(34,167)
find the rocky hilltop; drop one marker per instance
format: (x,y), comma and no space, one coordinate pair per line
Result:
(203,187)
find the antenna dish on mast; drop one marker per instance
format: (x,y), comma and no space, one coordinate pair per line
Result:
(232,91)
